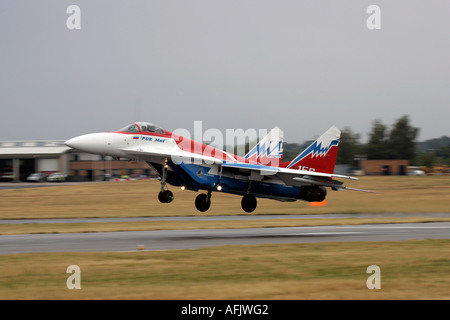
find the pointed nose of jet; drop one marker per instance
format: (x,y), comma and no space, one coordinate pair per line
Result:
(91,143)
(75,143)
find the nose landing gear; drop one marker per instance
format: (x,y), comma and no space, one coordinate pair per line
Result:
(164,196)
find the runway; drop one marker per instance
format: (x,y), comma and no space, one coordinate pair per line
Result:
(192,239)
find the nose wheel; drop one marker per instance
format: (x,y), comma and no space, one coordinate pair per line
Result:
(164,196)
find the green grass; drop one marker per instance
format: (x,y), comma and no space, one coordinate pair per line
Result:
(139,198)
(409,270)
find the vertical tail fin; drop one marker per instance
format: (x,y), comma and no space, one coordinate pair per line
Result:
(321,155)
(269,149)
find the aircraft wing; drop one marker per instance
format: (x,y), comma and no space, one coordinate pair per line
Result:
(263,170)
(291,177)
(177,156)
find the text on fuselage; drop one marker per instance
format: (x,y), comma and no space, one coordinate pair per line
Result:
(153,139)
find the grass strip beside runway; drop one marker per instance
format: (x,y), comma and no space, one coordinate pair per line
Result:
(139,199)
(409,270)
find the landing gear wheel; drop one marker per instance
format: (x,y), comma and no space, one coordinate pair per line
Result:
(202,202)
(249,203)
(165,196)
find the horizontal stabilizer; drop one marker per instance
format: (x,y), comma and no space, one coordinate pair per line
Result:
(361,190)
(327,183)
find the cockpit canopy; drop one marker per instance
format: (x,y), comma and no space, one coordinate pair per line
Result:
(142,127)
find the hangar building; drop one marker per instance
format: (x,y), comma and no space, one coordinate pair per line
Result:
(19,159)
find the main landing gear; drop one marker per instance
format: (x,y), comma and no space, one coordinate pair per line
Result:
(248,203)
(203,201)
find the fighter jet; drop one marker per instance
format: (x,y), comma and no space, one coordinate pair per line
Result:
(195,166)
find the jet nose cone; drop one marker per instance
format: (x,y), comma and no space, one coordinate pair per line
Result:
(91,143)
(73,143)
(96,143)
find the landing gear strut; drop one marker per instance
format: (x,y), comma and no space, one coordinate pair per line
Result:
(164,196)
(203,202)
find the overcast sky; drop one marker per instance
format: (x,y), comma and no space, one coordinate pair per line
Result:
(299,65)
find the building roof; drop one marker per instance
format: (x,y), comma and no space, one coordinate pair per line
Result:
(32,148)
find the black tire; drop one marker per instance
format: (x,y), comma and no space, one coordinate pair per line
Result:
(248,203)
(168,196)
(165,196)
(202,202)
(161,197)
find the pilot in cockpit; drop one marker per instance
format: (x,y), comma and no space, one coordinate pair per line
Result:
(143,127)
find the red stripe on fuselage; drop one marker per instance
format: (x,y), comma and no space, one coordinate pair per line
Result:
(193,146)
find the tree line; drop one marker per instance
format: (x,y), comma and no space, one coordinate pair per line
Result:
(397,142)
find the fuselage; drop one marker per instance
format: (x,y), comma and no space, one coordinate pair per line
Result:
(161,148)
